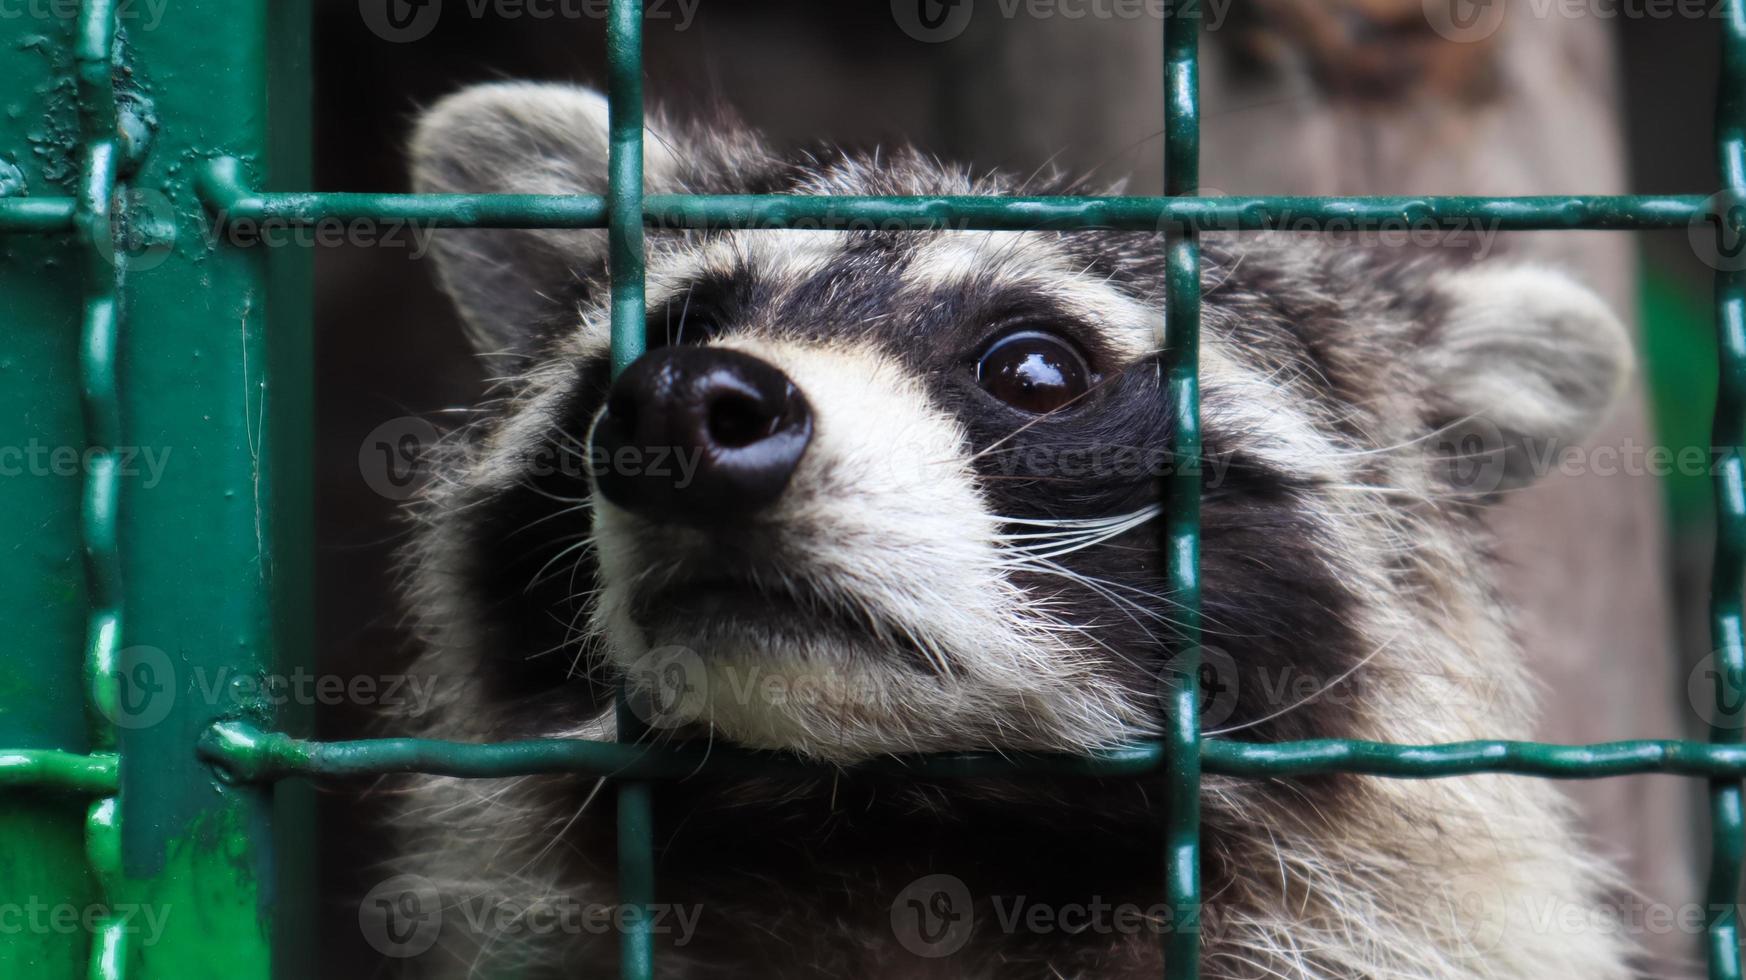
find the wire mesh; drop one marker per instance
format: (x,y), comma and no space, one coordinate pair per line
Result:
(249,754)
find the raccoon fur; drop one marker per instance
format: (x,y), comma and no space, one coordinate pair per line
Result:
(910,503)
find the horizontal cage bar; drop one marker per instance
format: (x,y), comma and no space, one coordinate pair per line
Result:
(36,215)
(221,187)
(248,754)
(1213,214)
(53,769)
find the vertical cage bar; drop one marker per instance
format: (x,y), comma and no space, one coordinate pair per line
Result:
(624,200)
(1729,575)
(624,197)
(1181,372)
(213,381)
(46,701)
(93,55)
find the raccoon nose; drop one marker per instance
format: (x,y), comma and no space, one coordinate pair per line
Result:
(699,435)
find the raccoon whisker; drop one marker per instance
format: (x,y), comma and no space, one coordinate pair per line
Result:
(1306,699)
(574,637)
(1250,961)
(1124,605)
(479,796)
(1048,536)
(1080,544)
(1042,418)
(1015,547)
(1079,522)
(539,576)
(1229,273)
(1066,546)
(536,522)
(1441,430)
(1211,625)
(575,570)
(929,649)
(560,437)
(556,498)
(1369,488)
(1068,445)
(557,837)
(1049,162)
(684,312)
(1052,568)
(1084,630)
(580,633)
(1017,478)
(548,651)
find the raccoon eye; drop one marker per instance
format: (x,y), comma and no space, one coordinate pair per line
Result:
(1034,372)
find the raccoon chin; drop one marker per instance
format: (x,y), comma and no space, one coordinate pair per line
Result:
(775,667)
(745,619)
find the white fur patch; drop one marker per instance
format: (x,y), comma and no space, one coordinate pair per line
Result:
(780,255)
(1029,260)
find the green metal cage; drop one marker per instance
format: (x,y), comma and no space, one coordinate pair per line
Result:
(133,141)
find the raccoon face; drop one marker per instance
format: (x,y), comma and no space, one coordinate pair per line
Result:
(875,491)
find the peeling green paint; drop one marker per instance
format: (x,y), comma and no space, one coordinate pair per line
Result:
(205,897)
(210,562)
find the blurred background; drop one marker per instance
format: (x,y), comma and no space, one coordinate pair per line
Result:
(1301,96)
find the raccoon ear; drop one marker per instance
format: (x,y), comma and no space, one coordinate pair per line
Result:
(522,138)
(1523,362)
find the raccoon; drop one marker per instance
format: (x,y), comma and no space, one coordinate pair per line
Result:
(875,492)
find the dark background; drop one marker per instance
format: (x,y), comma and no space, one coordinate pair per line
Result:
(388,345)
